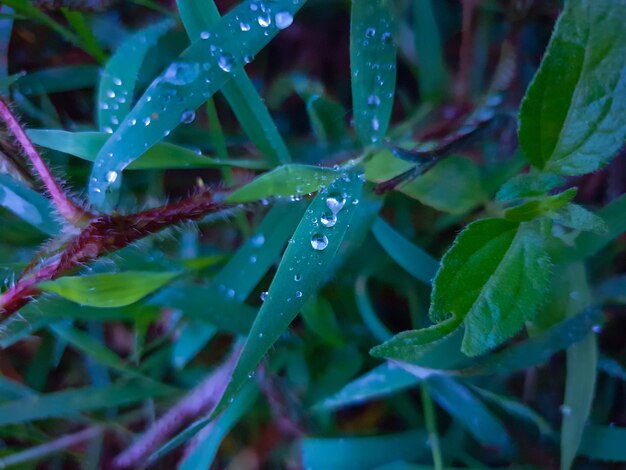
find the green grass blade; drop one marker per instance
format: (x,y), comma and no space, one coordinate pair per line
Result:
(69,403)
(201,70)
(604,443)
(363,453)
(240,92)
(457,400)
(108,289)
(373,65)
(83,29)
(287,180)
(27,205)
(162,156)
(433,76)
(117,84)
(6,28)
(299,275)
(58,79)
(411,258)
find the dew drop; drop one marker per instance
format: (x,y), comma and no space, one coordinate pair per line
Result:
(244,26)
(248,58)
(597,329)
(283,19)
(263,296)
(111,176)
(328,219)
(373,101)
(565,410)
(258,240)
(108,130)
(298,294)
(375,123)
(297,277)
(319,242)
(386,37)
(181,73)
(110,93)
(252,259)
(335,202)
(147,121)
(116,81)
(264,20)
(370,32)
(187,117)
(226,62)
(205,35)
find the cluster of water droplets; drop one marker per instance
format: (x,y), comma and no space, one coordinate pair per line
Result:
(112,99)
(334,203)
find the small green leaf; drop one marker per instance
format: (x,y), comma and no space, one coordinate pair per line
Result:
(27,205)
(162,156)
(373,64)
(532,209)
(495,276)
(287,180)
(573,118)
(300,273)
(108,289)
(198,73)
(579,218)
(529,185)
(117,84)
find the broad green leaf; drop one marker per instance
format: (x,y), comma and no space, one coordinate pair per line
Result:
(364,453)
(27,205)
(203,454)
(452,185)
(287,180)
(162,156)
(495,277)
(244,100)
(573,118)
(373,65)
(108,289)
(529,185)
(471,413)
(58,79)
(412,258)
(604,443)
(578,218)
(301,271)
(117,84)
(70,402)
(532,209)
(432,74)
(198,72)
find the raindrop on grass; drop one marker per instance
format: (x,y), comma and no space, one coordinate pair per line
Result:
(226,62)
(335,202)
(328,219)
(264,20)
(283,19)
(111,176)
(319,242)
(187,117)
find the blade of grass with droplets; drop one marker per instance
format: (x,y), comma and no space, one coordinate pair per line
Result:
(373,65)
(287,180)
(162,156)
(108,289)
(412,258)
(244,100)
(27,205)
(202,69)
(73,401)
(300,273)
(117,84)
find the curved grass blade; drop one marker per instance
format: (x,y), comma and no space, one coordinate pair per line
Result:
(73,401)
(299,275)
(363,452)
(240,92)
(58,79)
(411,258)
(373,65)
(117,84)
(433,76)
(604,443)
(162,156)
(108,289)
(202,69)
(27,205)
(287,180)
(6,28)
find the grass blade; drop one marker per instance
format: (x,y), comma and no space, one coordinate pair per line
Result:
(604,443)
(244,100)
(433,76)
(202,69)
(373,64)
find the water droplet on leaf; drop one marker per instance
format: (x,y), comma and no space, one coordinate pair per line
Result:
(319,242)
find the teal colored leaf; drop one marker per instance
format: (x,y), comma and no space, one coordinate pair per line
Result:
(578,218)
(366,310)
(68,403)
(198,72)
(320,318)
(495,277)
(162,156)
(242,96)
(604,443)
(573,118)
(287,180)
(529,185)
(6,28)
(364,453)
(327,119)
(58,79)
(108,289)
(373,65)
(536,207)
(117,84)
(471,413)
(190,339)
(27,205)
(412,258)
(432,73)
(301,271)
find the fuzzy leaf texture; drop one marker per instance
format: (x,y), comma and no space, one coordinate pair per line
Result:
(495,276)
(573,118)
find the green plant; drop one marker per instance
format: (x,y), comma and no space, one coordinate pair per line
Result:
(149,304)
